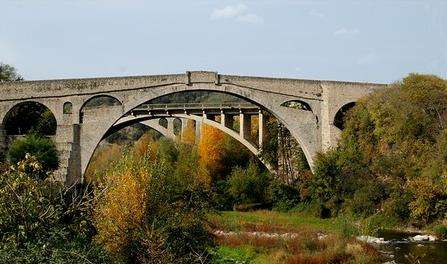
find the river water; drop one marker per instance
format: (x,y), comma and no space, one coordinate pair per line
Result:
(402,250)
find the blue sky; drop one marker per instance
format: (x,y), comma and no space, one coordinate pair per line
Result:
(362,40)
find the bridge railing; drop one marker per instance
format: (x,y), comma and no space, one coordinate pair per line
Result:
(203,106)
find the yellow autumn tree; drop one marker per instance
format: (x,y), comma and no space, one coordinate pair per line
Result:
(211,150)
(120,211)
(189,134)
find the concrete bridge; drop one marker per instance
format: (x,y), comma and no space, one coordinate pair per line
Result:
(307,108)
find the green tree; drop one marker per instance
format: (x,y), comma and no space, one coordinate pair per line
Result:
(9,74)
(390,155)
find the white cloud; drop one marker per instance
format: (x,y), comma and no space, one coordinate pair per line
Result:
(238,13)
(317,14)
(250,18)
(229,11)
(346,32)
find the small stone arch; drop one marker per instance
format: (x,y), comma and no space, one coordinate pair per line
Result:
(297,104)
(67,108)
(30,116)
(340,116)
(98,101)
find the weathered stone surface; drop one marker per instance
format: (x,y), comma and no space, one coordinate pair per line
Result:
(314,130)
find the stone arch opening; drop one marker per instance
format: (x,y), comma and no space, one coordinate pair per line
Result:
(97,102)
(177,126)
(67,108)
(30,117)
(163,122)
(297,104)
(340,116)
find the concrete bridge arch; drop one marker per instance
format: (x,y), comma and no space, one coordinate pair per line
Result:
(148,120)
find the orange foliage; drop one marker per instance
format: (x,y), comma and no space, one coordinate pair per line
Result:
(210,152)
(146,146)
(102,157)
(189,134)
(122,209)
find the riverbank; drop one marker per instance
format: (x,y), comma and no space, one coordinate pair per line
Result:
(275,237)
(297,237)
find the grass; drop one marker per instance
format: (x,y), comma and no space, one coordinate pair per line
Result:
(272,221)
(315,240)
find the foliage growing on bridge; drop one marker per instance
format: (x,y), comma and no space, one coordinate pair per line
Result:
(392,155)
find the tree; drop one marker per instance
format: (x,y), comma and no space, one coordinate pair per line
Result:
(9,74)
(393,142)
(211,152)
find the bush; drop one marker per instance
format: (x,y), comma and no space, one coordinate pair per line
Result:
(440,231)
(395,138)
(284,197)
(248,185)
(45,222)
(155,206)
(43,149)
(366,199)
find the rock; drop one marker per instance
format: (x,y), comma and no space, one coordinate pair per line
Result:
(372,240)
(424,238)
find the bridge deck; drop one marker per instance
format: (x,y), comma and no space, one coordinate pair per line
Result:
(196,108)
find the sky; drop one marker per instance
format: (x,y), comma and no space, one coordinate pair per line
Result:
(364,40)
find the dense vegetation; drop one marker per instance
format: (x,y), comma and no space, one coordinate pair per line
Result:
(392,156)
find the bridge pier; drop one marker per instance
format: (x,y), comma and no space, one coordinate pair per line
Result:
(170,125)
(198,131)
(67,142)
(244,125)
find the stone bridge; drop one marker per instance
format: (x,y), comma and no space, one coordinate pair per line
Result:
(307,108)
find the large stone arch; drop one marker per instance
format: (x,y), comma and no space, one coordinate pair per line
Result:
(4,118)
(339,116)
(303,125)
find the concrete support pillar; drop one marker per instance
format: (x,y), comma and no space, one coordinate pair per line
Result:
(244,125)
(170,124)
(198,130)
(205,115)
(261,128)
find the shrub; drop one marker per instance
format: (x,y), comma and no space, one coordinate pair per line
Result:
(366,199)
(394,137)
(155,206)
(284,197)
(248,185)
(45,222)
(440,231)
(43,149)
(375,223)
